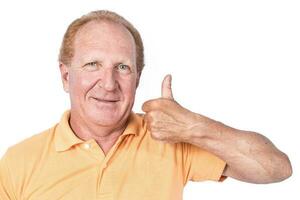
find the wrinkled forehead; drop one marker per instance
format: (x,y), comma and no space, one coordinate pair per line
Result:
(107,36)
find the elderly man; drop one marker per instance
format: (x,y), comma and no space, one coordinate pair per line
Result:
(102,150)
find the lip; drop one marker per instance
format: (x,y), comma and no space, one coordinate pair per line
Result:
(106,100)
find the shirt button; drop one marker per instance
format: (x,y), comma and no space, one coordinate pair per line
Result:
(86,146)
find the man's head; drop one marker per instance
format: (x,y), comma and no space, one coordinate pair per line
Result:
(101,59)
(67,49)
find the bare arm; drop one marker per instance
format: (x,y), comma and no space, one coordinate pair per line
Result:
(250,156)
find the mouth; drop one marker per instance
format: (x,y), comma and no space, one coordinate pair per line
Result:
(105,100)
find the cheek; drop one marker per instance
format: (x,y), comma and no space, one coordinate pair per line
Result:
(128,88)
(79,85)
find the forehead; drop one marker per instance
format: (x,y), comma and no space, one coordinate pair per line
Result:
(104,37)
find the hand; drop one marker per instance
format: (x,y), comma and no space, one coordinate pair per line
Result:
(167,120)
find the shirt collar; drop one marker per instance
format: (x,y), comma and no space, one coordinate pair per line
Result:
(65,138)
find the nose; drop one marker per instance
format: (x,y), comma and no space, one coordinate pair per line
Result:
(108,80)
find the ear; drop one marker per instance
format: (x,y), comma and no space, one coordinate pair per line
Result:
(64,73)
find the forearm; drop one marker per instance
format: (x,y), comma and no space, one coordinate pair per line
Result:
(250,156)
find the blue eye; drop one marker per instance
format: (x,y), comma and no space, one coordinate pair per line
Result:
(123,68)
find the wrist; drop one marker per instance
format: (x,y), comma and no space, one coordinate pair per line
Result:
(204,129)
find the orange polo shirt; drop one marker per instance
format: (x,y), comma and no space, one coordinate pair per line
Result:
(56,164)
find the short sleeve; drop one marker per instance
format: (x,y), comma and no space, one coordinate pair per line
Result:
(6,186)
(201,165)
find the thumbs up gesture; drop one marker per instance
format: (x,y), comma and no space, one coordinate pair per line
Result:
(166,119)
(166,87)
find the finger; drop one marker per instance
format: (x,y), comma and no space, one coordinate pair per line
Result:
(155,104)
(166,87)
(146,107)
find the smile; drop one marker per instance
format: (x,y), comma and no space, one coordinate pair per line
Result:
(106,100)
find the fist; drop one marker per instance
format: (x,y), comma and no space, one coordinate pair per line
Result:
(166,119)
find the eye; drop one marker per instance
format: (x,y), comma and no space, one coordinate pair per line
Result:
(92,63)
(123,68)
(91,66)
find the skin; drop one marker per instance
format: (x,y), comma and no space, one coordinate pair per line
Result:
(250,156)
(101,101)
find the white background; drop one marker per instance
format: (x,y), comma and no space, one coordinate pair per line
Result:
(234,61)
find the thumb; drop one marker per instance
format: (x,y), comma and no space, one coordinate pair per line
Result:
(166,89)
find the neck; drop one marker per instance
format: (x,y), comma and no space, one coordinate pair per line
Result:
(105,136)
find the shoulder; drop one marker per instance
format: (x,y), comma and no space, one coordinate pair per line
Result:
(29,149)
(20,160)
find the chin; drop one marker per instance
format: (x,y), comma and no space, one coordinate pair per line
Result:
(106,117)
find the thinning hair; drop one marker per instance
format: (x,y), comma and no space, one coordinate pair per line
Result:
(66,52)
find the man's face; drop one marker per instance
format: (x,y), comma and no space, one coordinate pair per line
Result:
(102,78)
